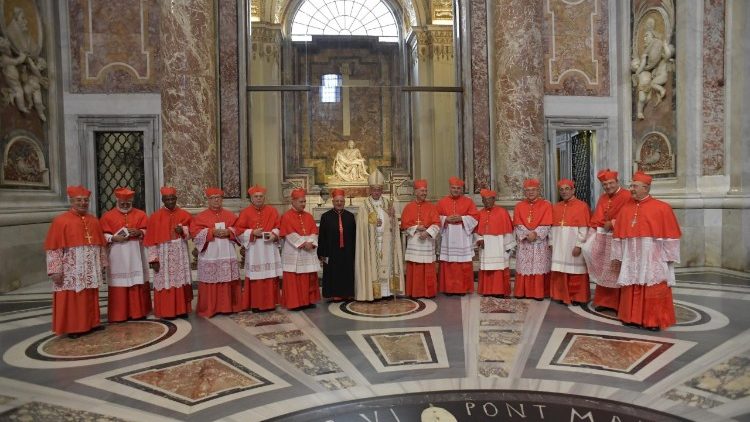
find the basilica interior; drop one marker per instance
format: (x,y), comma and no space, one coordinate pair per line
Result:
(319,94)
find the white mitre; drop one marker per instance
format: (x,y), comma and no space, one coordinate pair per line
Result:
(376,178)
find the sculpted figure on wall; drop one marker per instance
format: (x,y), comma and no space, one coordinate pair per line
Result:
(651,68)
(13,93)
(349,165)
(22,66)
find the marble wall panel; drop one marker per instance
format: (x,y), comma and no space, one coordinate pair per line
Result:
(229,123)
(480,95)
(576,48)
(188,98)
(654,87)
(713,88)
(114,46)
(518,87)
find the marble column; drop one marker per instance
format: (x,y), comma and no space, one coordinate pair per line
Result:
(480,95)
(736,219)
(188,98)
(434,127)
(229,121)
(266,165)
(518,93)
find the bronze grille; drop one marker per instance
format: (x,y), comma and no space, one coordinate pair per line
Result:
(119,162)
(581,166)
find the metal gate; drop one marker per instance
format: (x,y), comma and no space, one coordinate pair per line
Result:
(119,162)
(581,165)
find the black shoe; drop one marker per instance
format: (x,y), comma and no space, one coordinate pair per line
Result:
(74,336)
(538,299)
(601,308)
(651,328)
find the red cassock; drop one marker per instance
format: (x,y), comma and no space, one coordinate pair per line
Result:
(533,259)
(219,288)
(71,239)
(494,221)
(607,208)
(421,278)
(566,285)
(646,293)
(132,302)
(456,273)
(299,286)
(169,300)
(258,293)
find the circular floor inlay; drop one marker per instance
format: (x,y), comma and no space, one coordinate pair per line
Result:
(479,405)
(111,343)
(113,338)
(690,316)
(384,309)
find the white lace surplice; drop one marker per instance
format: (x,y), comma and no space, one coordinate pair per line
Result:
(597,251)
(174,264)
(533,257)
(81,266)
(218,262)
(646,260)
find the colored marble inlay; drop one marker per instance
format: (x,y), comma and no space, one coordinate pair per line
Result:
(691,399)
(518,78)
(480,95)
(384,308)
(403,348)
(494,305)
(249,319)
(38,412)
(340,383)
(501,325)
(713,87)
(197,379)
(112,339)
(307,356)
(685,315)
(114,46)
(730,379)
(613,354)
(576,48)
(498,345)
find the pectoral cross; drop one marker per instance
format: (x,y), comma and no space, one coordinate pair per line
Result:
(635,216)
(88,237)
(529,218)
(346,82)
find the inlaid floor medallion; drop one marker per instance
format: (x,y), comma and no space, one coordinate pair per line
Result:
(383,310)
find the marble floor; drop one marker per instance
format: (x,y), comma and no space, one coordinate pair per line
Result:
(450,358)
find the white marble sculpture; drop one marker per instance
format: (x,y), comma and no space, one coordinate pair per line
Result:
(349,165)
(13,94)
(34,80)
(651,68)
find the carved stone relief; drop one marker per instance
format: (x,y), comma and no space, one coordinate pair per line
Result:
(442,10)
(23,69)
(266,44)
(24,96)
(23,162)
(653,82)
(434,44)
(654,155)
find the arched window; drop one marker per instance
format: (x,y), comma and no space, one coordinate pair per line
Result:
(344,17)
